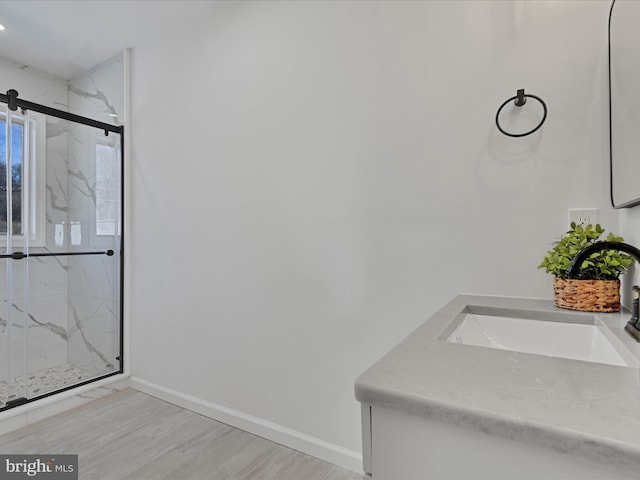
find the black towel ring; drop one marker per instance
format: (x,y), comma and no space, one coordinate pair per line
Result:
(520,100)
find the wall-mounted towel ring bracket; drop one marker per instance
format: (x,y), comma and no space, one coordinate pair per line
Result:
(519,100)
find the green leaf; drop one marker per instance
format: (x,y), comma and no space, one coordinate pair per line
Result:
(607,264)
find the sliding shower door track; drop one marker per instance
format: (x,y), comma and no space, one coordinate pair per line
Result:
(22,401)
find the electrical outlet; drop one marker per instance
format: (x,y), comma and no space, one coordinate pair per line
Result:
(583,216)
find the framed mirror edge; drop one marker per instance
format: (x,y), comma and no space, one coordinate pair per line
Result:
(635,201)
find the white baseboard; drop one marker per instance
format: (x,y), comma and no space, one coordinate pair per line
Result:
(299,441)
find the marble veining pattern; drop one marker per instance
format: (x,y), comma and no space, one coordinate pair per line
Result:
(97,95)
(52,327)
(93,281)
(88,345)
(61,332)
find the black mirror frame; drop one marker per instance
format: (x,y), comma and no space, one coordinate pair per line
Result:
(636,201)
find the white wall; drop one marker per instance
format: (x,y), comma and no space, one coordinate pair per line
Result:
(311,180)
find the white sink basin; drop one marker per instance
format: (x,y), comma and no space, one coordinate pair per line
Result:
(590,341)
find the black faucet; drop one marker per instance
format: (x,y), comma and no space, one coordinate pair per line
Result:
(633,325)
(636,306)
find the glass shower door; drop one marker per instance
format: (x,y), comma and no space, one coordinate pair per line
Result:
(60,254)
(14,228)
(93,237)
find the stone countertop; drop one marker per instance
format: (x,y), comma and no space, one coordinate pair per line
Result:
(581,408)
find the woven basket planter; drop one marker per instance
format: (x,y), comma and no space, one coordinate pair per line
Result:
(587,295)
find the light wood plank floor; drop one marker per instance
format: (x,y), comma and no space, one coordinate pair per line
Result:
(131,435)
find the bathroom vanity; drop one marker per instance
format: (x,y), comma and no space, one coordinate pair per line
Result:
(467,395)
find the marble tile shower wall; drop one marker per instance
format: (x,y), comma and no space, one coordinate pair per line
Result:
(48,290)
(93,281)
(73,314)
(47,332)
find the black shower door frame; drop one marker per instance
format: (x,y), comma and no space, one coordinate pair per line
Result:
(14,103)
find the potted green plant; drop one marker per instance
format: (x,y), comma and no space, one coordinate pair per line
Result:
(598,288)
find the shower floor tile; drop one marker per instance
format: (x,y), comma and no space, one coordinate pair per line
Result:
(45,381)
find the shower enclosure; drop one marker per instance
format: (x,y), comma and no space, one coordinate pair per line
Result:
(61,233)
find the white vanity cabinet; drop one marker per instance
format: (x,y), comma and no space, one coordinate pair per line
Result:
(398,446)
